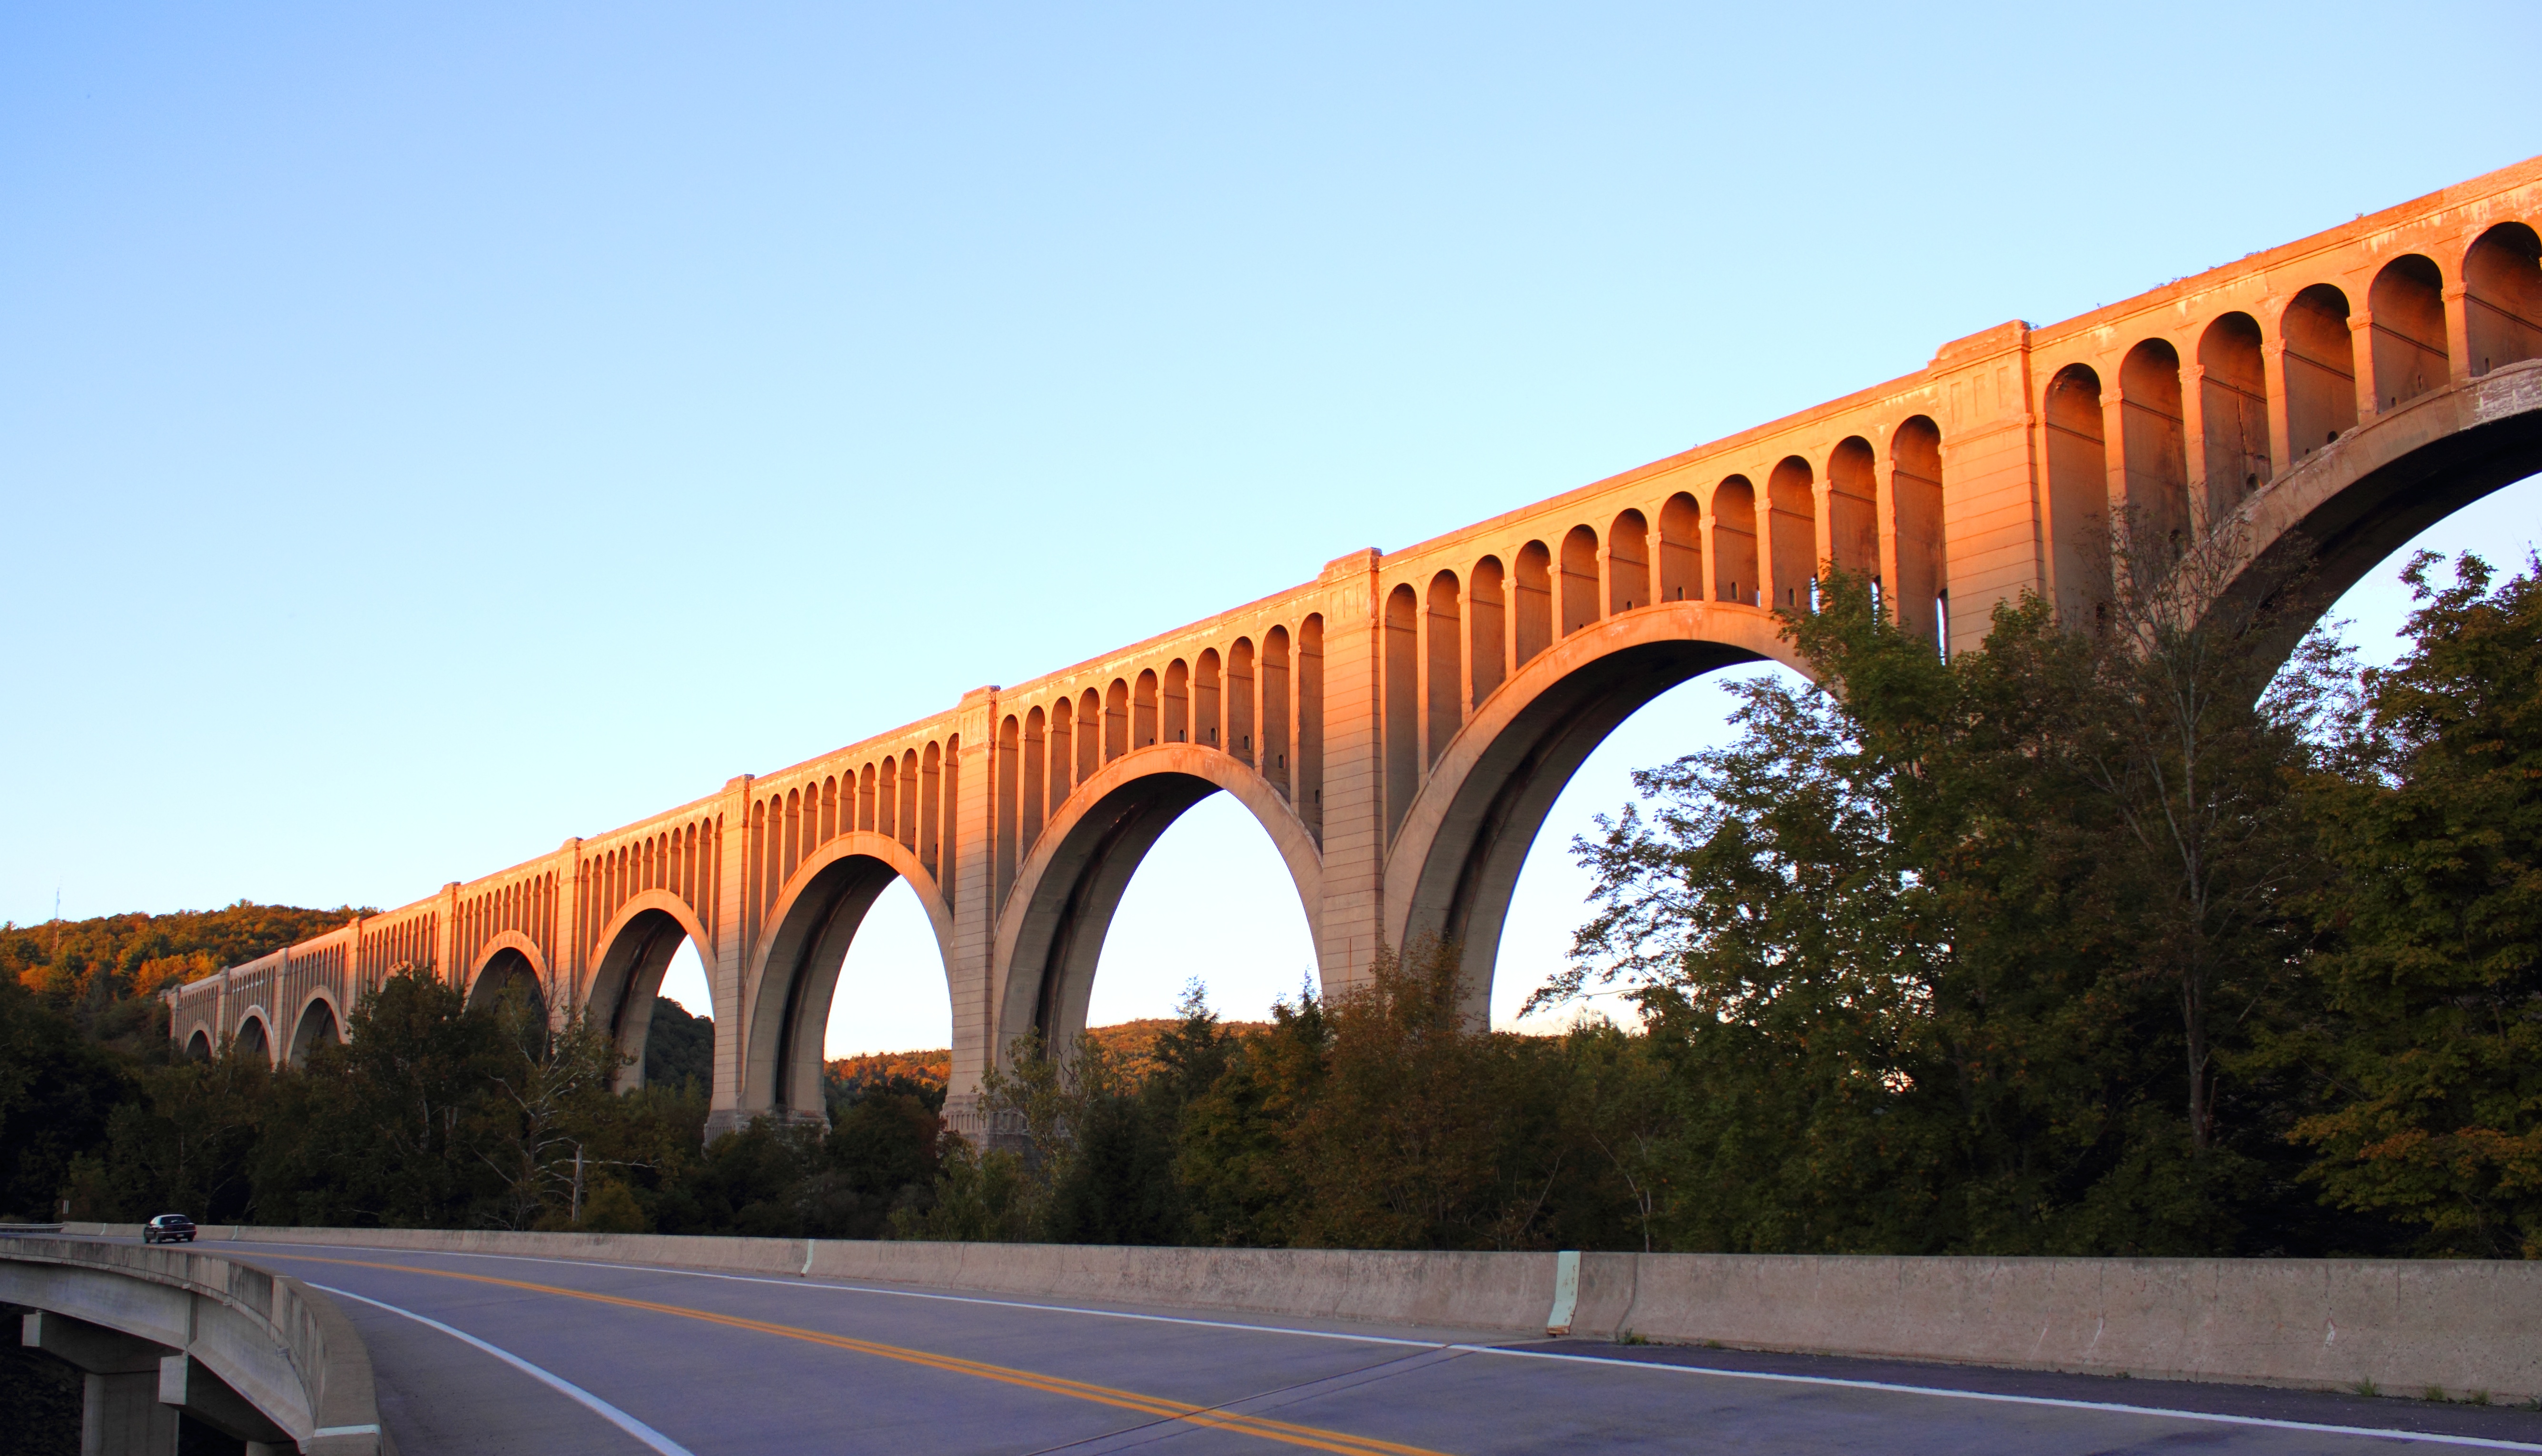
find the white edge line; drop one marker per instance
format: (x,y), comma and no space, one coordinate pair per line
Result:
(2384,1432)
(2213,1417)
(607,1411)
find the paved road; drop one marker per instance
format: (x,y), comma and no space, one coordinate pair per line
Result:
(488,1355)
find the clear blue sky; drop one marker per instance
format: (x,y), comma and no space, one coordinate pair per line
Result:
(430,433)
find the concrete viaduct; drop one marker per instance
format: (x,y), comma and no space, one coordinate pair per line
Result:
(1400,725)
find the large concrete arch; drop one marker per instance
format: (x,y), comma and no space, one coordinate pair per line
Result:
(1456,861)
(789,981)
(262,1041)
(1050,934)
(504,958)
(319,1019)
(636,947)
(2362,496)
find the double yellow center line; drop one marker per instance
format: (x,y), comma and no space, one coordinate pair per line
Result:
(1284,1432)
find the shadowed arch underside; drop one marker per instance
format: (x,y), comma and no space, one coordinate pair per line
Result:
(504,966)
(317,1025)
(1455,864)
(2363,497)
(638,948)
(785,1003)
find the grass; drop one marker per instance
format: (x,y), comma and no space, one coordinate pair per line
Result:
(1628,1337)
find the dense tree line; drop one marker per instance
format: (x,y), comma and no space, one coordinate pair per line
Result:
(436,1115)
(2127,939)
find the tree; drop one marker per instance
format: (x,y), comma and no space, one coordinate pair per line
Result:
(56,1095)
(2432,963)
(1241,1183)
(1915,949)
(187,1143)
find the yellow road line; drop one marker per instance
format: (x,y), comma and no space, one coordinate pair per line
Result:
(1286,1433)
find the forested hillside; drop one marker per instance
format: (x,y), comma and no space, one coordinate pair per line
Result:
(108,972)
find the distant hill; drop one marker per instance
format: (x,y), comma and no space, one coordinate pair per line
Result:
(144,952)
(1131,1041)
(107,971)
(679,1048)
(932,1067)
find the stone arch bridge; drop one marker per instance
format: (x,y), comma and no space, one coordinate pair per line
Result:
(1400,725)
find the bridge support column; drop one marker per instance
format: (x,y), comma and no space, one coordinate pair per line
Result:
(572,989)
(1353,919)
(970,842)
(726,960)
(120,1409)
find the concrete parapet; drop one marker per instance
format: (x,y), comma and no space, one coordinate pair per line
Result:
(277,1351)
(2403,1325)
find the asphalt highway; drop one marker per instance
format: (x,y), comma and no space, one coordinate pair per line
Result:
(497,1355)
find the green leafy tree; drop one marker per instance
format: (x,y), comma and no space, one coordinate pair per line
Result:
(57,1094)
(187,1143)
(1931,951)
(2432,963)
(1240,1181)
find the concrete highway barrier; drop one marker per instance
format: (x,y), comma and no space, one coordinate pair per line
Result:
(155,1331)
(2400,1326)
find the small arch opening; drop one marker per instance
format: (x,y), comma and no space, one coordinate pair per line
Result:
(1680,549)
(1734,542)
(2406,302)
(1443,645)
(1628,567)
(1792,530)
(2153,446)
(2234,407)
(1579,579)
(1916,517)
(1489,628)
(1853,510)
(1535,602)
(1143,710)
(2503,297)
(2078,493)
(2320,368)
(1402,703)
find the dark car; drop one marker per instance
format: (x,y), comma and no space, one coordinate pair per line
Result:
(169,1228)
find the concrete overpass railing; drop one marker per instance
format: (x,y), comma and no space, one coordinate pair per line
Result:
(2402,1325)
(156,1331)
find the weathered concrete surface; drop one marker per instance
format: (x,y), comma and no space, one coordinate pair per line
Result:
(2323,1324)
(721,1362)
(282,1347)
(1399,724)
(2319,1323)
